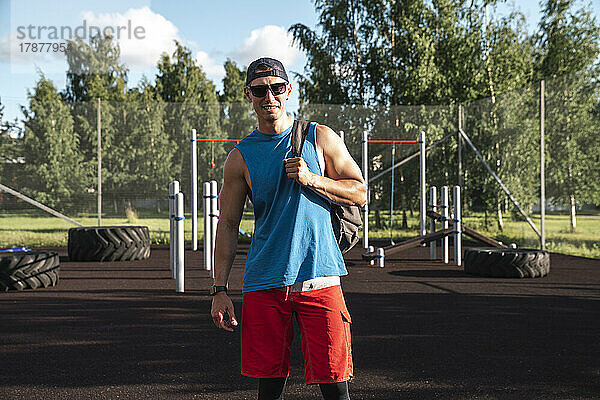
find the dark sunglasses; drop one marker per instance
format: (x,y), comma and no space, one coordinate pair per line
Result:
(261,90)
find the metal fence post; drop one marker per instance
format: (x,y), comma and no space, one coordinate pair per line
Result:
(422,182)
(365,168)
(194,160)
(99,127)
(542,169)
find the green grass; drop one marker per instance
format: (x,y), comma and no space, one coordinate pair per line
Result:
(27,229)
(585,241)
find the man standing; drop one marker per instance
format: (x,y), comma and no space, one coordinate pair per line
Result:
(294,264)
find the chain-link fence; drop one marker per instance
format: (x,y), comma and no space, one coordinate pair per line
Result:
(54,158)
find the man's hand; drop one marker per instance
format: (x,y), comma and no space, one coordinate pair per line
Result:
(222,305)
(296,169)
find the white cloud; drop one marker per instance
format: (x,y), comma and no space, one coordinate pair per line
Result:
(26,57)
(268,41)
(213,71)
(155,34)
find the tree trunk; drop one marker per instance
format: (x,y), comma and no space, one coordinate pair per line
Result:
(377,220)
(572,213)
(485,218)
(500,220)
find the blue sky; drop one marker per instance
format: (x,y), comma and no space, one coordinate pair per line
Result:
(214,30)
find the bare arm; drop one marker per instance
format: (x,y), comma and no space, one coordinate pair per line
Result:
(232,198)
(343,182)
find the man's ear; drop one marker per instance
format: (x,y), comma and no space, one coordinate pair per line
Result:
(289,92)
(247,94)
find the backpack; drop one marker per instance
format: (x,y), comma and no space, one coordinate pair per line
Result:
(345,220)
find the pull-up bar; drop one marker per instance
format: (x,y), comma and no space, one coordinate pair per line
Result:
(393,141)
(365,170)
(217,140)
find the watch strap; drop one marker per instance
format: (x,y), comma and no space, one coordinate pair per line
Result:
(216,289)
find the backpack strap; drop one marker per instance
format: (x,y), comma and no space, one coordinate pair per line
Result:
(299,133)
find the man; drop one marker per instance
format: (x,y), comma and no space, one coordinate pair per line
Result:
(294,264)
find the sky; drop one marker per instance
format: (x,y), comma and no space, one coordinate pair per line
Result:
(213,30)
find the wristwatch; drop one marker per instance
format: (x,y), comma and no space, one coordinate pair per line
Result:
(216,289)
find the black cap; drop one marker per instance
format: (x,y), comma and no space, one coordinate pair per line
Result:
(276,69)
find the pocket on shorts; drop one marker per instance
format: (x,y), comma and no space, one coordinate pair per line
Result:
(347,322)
(346,316)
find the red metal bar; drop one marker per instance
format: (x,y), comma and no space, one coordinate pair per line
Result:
(392,141)
(218,140)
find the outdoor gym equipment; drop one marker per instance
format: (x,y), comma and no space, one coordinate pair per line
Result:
(194,164)
(431,237)
(176,236)
(365,171)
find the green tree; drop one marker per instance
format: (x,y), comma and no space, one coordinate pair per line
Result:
(54,175)
(94,73)
(11,142)
(192,103)
(568,50)
(238,118)
(387,54)
(146,162)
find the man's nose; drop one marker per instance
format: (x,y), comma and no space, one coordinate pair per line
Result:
(269,95)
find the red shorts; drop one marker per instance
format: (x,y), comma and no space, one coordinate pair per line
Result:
(267,333)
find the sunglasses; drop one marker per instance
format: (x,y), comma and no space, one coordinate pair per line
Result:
(261,90)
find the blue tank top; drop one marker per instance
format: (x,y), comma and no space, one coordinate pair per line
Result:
(293,239)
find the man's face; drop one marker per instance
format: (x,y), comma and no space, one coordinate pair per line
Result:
(270,107)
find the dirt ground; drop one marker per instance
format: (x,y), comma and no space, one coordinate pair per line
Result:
(421,330)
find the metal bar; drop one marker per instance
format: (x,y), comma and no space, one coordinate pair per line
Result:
(414,155)
(504,188)
(99,127)
(217,140)
(207,230)
(180,265)
(194,160)
(39,205)
(470,232)
(173,190)
(392,197)
(459,146)
(444,206)
(393,141)
(407,244)
(542,168)
(457,225)
(214,219)
(422,184)
(432,208)
(365,170)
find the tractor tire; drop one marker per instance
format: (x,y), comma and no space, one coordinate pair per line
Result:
(28,270)
(507,263)
(109,243)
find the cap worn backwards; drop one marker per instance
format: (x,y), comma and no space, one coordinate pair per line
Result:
(276,69)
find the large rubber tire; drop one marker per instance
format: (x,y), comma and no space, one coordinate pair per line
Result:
(28,270)
(109,243)
(507,263)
